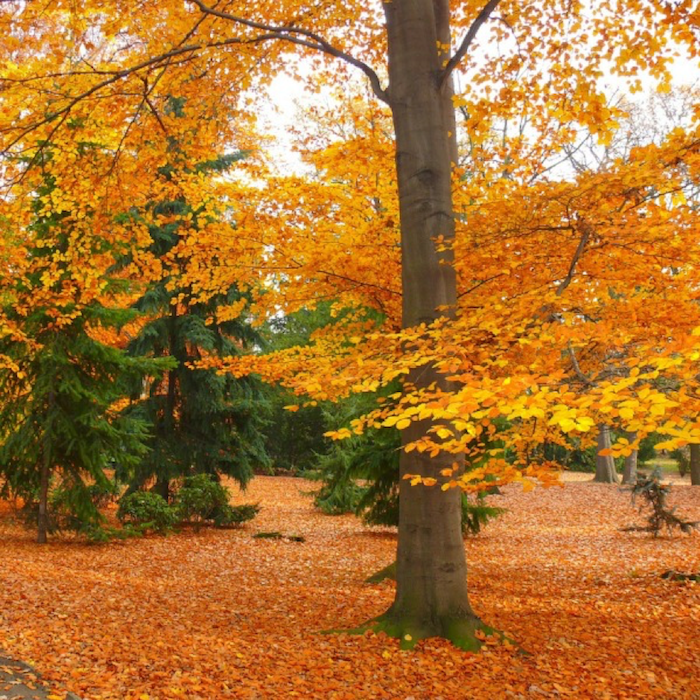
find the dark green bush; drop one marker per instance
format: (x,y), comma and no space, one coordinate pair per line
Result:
(148,510)
(230,516)
(201,499)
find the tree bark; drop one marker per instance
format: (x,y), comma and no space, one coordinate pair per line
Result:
(431,573)
(43,517)
(629,475)
(695,465)
(45,477)
(604,464)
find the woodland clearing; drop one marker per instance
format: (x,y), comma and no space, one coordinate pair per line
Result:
(219,614)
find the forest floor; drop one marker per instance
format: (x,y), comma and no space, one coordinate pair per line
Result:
(219,614)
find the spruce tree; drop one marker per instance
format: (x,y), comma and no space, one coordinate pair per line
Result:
(58,424)
(202,422)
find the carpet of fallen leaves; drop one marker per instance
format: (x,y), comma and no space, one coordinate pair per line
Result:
(218,614)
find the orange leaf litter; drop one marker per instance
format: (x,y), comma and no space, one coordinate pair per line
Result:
(222,615)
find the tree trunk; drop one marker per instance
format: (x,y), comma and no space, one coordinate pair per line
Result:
(695,465)
(431,576)
(629,475)
(604,464)
(161,487)
(45,476)
(43,518)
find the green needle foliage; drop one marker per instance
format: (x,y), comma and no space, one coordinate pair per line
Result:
(361,475)
(202,422)
(57,428)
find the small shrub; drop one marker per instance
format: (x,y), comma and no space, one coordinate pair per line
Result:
(654,495)
(148,510)
(201,499)
(232,516)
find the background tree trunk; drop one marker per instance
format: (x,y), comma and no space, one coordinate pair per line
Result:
(695,465)
(604,464)
(431,592)
(629,475)
(45,475)
(43,517)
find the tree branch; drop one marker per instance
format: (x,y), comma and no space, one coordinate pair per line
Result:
(292,34)
(576,366)
(585,236)
(467,41)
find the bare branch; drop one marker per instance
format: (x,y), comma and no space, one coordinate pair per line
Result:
(293,35)
(576,366)
(467,41)
(587,230)
(479,284)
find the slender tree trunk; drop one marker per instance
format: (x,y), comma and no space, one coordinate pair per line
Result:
(629,475)
(604,464)
(431,591)
(45,476)
(695,465)
(43,519)
(162,485)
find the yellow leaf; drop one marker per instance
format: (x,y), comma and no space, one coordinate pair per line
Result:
(528,485)
(403,423)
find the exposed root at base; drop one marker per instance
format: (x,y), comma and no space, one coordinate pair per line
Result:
(466,633)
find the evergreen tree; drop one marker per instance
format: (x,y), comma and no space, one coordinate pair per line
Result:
(202,422)
(360,474)
(58,425)
(295,440)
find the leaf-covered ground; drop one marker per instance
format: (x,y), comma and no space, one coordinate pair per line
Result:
(219,614)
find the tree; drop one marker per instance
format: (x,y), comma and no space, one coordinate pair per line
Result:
(695,464)
(480,335)
(58,416)
(294,440)
(202,422)
(605,464)
(629,474)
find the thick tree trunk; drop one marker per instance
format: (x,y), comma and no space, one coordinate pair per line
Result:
(431,591)
(629,474)
(695,465)
(604,464)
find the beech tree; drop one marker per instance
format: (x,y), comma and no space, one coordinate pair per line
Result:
(503,269)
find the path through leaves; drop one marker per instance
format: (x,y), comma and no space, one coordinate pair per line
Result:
(222,615)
